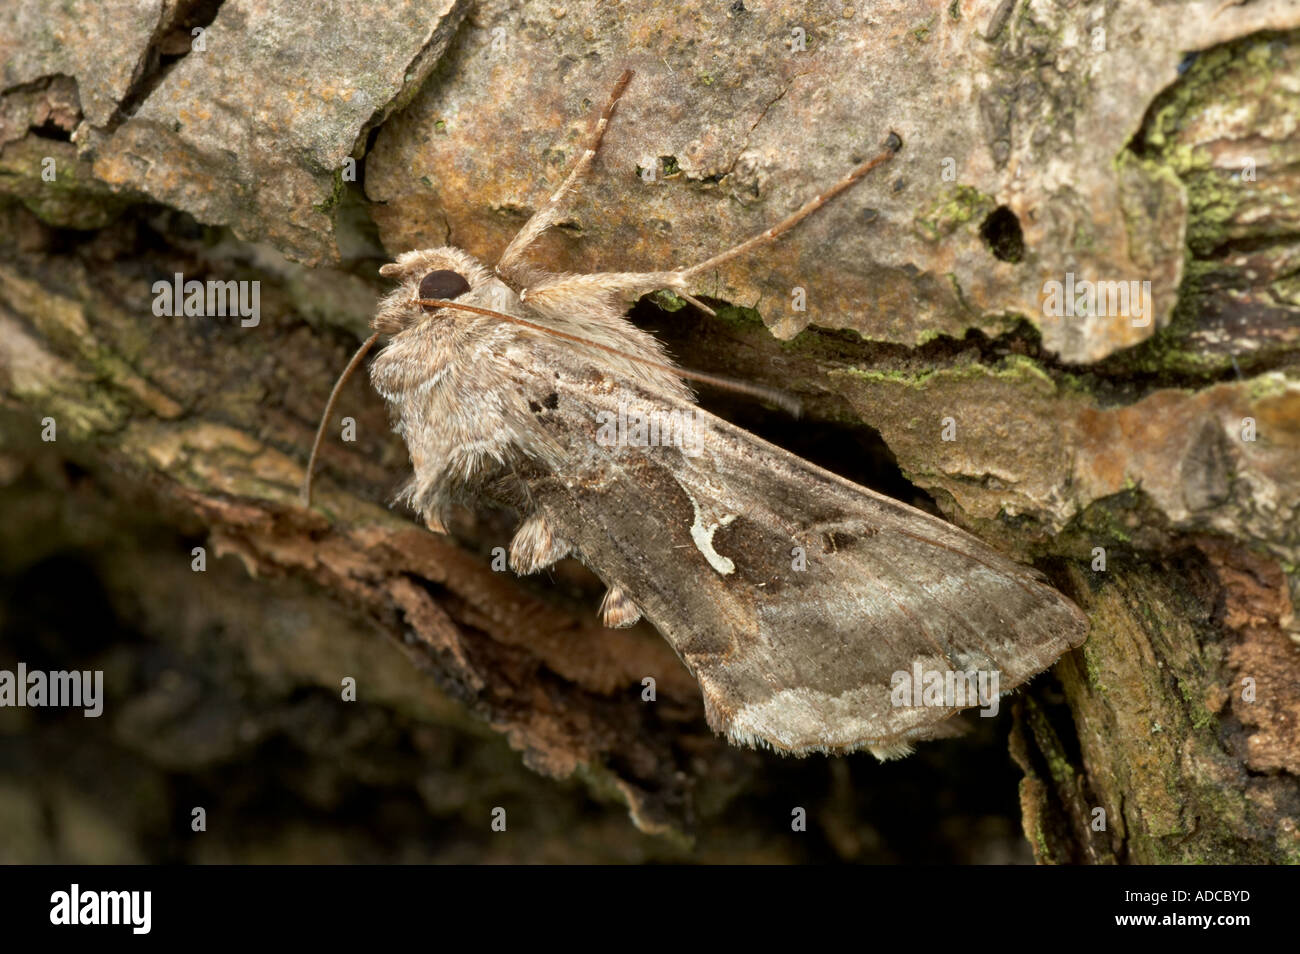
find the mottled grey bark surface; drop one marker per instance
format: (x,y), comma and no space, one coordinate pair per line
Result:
(1146,454)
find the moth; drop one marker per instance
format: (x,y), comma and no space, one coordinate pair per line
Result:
(796,598)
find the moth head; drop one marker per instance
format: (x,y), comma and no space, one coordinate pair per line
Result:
(447,273)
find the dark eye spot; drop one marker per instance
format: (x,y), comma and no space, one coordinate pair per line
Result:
(444,284)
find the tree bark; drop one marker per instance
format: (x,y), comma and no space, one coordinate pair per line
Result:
(1148,461)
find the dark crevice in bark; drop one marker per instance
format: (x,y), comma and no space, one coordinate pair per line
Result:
(171,42)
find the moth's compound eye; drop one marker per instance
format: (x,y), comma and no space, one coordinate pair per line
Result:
(444,284)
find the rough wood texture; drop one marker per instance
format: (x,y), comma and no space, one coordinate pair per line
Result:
(1163,148)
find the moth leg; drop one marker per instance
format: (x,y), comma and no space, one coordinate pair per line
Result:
(698,304)
(511,265)
(536,546)
(564,292)
(892,145)
(617,611)
(424,498)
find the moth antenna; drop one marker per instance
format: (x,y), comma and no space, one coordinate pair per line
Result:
(329,409)
(786,402)
(892,145)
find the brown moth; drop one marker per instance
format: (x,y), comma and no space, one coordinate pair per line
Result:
(795,598)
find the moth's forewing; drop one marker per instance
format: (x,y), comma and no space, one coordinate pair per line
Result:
(795,597)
